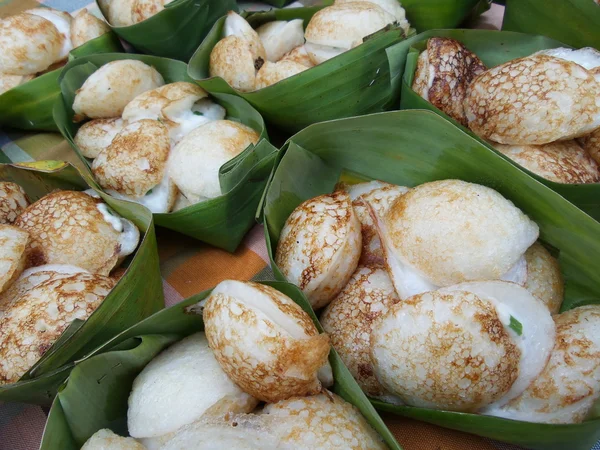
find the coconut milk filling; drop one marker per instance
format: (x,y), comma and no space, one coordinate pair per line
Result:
(187,120)
(325,375)
(156,199)
(190,115)
(517,273)
(406,280)
(209,109)
(129,233)
(536,340)
(114,221)
(130,238)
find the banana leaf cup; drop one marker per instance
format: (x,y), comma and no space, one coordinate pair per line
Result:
(575,22)
(278,3)
(430,14)
(222,221)
(137,295)
(176,31)
(493,48)
(29,106)
(362,80)
(95,395)
(414,147)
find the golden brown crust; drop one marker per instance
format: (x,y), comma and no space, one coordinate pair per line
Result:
(319,247)
(345,25)
(449,231)
(257,352)
(96,135)
(445,73)
(136,159)
(8,82)
(13,200)
(29,43)
(86,27)
(33,322)
(569,385)
(107,91)
(298,55)
(106,439)
(591,144)
(13,242)
(533,100)
(444,350)
(349,319)
(271,73)
(323,421)
(158,101)
(66,227)
(380,198)
(144,9)
(561,161)
(231,59)
(544,278)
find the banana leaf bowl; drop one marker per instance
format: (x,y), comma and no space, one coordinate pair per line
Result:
(430,14)
(360,81)
(413,147)
(278,3)
(137,295)
(574,22)
(95,395)
(29,106)
(176,31)
(493,48)
(222,221)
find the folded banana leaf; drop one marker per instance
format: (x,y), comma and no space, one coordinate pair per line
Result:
(278,3)
(360,81)
(95,395)
(414,147)
(222,221)
(493,47)
(176,31)
(574,22)
(430,14)
(137,295)
(29,106)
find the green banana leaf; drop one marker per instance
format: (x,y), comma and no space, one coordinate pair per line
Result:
(414,147)
(222,221)
(282,3)
(278,3)
(176,31)
(360,81)
(29,106)
(493,47)
(95,395)
(574,22)
(430,14)
(137,295)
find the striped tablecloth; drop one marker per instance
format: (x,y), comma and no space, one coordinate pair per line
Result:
(189,267)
